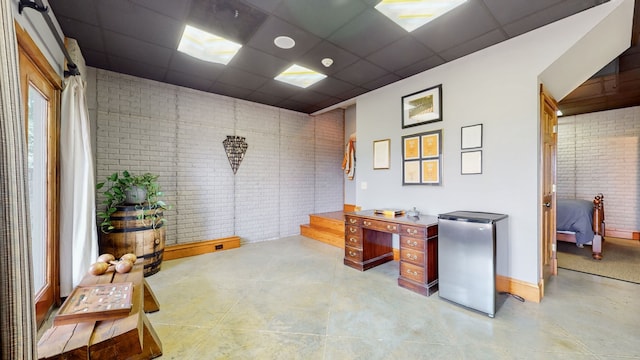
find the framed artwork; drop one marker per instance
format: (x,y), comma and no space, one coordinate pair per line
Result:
(471,162)
(430,145)
(471,137)
(422,158)
(411,147)
(431,171)
(381,154)
(422,107)
(411,172)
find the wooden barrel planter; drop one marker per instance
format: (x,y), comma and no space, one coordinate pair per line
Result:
(136,236)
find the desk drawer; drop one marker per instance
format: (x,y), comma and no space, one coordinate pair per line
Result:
(349,220)
(350,230)
(354,241)
(414,231)
(380,226)
(353,254)
(412,256)
(412,243)
(411,272)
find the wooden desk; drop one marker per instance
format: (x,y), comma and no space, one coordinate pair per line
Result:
(130,337)
(368,244)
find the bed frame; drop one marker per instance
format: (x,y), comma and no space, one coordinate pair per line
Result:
(598,229)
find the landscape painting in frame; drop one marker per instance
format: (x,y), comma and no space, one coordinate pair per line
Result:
(422,107)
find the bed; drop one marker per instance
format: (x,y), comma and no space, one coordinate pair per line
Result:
(581,222)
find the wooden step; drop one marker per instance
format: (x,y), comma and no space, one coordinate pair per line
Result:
(331,220)
(325,227)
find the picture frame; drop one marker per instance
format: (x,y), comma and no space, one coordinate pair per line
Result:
(411,147)
(471,162)
(422,158)
(381,154)
(471,137)
(422,107)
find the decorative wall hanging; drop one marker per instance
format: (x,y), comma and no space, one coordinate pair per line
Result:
(471,162)
(381,154)
(422,158)
(471,137)
(236,147)
(422,107)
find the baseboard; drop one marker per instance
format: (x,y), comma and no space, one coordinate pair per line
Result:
(351,208)
(396,255)
(201,247)
(623,234)
(527,291)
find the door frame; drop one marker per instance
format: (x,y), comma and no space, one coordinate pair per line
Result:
(29,51)
(548,263)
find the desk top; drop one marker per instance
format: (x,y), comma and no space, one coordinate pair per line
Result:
(422,220)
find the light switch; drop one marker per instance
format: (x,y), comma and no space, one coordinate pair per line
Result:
(363,185)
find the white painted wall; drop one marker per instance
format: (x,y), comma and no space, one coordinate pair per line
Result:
(499,88)
(291,168)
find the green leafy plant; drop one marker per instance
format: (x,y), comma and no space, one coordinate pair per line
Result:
(117,186)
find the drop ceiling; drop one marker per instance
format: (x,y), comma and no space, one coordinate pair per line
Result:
(140,38)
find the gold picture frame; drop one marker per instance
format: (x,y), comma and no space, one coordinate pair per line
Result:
(422,107)
(422,158)
(381,154)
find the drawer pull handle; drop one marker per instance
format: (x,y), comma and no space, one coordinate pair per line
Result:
(351,253)
(412,257)
(411,272)
(354,240)
(412,243)
(352,230)
(367,223)
(391,227)
(412,231)
(353,221)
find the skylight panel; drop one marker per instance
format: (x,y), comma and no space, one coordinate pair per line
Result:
(206,46)
(411,14)
(300,76)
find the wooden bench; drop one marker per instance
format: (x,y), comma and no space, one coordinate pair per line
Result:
(129,337)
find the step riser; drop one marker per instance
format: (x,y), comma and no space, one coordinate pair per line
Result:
(330,238)
(327,223)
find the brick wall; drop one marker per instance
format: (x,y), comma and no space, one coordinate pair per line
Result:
(291,167)
(600,152)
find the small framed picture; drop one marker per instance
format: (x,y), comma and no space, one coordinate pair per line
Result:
(411,147)
(471,162)
(381,154)
(411,172)
(422,107)
(471,137)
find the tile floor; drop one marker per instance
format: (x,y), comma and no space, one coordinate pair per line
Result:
(293,298)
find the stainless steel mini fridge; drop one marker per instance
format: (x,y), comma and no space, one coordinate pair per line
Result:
(467,242)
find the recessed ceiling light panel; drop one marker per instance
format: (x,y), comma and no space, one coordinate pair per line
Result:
(300,76)
(411,14)
(206,46)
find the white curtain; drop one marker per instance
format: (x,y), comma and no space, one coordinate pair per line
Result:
(78,230)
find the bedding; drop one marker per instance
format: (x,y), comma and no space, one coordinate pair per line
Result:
(576,216)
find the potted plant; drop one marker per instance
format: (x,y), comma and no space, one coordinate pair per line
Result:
(142,191)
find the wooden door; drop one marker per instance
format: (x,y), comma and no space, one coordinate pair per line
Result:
(40,87)
(548,139)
